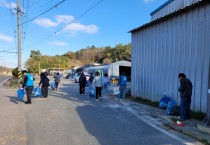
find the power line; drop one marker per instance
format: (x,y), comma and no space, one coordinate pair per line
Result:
(34,3)
(40,8)
(51,35)
(44,12)
(8,52)
(80,16)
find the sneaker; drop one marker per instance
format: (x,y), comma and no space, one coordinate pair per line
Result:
(96,99)
(27,102)
(82,94)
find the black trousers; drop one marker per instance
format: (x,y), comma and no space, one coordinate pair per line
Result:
(82,89)
(29,91)
(98,92)
(45,91)
(56,85)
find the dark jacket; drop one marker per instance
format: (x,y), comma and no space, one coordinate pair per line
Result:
(185,88)
(82,80)
(44,81)
(91,78)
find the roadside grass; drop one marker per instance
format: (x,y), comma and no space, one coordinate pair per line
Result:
(194,115)
(12,83)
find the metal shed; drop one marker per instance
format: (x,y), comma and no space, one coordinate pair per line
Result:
(113,70)
(175,42)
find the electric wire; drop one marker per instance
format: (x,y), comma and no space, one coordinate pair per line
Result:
(40,8)
(58,30)
(44,12)
(34,3)
(77,18)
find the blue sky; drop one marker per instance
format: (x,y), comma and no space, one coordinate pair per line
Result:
(72,25)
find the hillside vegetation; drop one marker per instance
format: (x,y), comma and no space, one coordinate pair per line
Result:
(103,55)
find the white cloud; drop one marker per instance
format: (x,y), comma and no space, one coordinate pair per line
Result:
(146,1)
(78,27)
(69,24)
(59,43)
(5,38)
(64,18)
(10,5)
(45,22)
(91,29)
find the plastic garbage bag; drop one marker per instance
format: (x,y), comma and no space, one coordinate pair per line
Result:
(20,94)
(91,92)
(116,90)
(172,108)
(52,85)
(164,101)
(37,92)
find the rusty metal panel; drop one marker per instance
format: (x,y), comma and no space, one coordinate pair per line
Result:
(164,49)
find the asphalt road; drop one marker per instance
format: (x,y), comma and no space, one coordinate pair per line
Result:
(3,79)
(67,118)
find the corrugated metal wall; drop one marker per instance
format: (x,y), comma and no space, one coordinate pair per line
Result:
(172,7)
(162,50)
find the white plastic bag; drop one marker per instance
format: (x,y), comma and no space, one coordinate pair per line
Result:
(116,90)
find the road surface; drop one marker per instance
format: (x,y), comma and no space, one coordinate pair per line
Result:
(67,118)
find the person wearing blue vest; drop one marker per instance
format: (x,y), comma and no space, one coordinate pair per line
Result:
(122,85)
(28,84)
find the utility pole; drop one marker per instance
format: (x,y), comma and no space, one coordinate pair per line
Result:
(19,38)
(39,68)
(59,64)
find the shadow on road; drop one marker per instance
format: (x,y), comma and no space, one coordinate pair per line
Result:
(107,125)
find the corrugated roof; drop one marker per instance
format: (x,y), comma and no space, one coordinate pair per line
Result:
(162,6)
(171,15)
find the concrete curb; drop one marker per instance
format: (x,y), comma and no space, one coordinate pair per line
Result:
(190,134)
(203,128)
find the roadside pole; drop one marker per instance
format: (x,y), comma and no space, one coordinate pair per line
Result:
(19,38)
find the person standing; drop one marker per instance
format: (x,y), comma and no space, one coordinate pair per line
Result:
(122,85)
(98,85)
(44,82)
(28,84)
(185,90)
(82,83)
(57,80)
(106,83)
(91,79)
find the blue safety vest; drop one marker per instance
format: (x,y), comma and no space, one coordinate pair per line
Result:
(30,82)
(123,80)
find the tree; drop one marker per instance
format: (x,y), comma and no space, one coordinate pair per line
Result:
(35,55)
(15,72)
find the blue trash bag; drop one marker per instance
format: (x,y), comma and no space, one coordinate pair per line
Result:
(172,108)
(20,94)
(37,92)
(87,83)
(164,101)
(91,92)
(52,85)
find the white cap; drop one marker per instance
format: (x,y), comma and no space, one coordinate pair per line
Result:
(25,69)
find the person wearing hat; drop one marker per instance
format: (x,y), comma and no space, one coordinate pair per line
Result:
(185,90)
(28,84)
